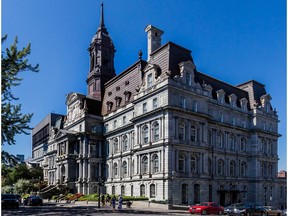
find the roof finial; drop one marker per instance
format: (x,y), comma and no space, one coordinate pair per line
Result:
(102,15)
(140,54)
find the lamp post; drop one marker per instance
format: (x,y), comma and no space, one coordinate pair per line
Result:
(265,195)
(100,183)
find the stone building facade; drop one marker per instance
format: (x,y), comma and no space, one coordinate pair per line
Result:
(171,133)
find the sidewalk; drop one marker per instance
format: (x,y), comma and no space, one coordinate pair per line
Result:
(132,209)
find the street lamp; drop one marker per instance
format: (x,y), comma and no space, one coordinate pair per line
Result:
(100,183)
(265,195)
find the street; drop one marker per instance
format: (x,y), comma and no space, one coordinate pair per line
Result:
(85,210)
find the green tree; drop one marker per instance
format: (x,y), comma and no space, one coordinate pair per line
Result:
(13,62)
(23,186)
(20,171)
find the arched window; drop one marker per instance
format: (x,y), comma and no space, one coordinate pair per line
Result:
(132,167)
(155,131)
(220,170)
(184,193)
(232,168)
(113,190)
(181,131)
(125,143)
(155,163)
(263,145)
(181,163)
(232,143)
(243,169)
(193,133)
(145,164)
(209,166)
(220,140)
(116,146)
(132,190)
(142,190)
(145,134)
(242,144)
(269,147)
(282,192)
(270,170)
(124,166)
(122,190)
(115,167)
(152,191)
(107,171)
(263,169)
(193,164)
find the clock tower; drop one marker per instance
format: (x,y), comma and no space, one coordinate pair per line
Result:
(101,61)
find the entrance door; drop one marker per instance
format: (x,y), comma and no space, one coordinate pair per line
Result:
(234,197)
(184,194)
(222,198)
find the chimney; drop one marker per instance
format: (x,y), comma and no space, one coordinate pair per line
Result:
(154,38)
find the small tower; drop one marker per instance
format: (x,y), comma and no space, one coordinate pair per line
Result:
(154,38)
(101,61)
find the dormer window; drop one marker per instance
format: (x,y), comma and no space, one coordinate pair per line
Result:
(232,100)
(188,78)
(118,101)
(207,89)
(127,96)
(149,80)
(221,95)
(243,103)
(109,105)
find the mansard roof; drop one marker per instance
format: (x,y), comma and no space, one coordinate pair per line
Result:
(218,84)
(168,57)
(254,89)
(122,86)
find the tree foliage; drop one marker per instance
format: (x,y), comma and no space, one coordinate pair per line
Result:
(13,62)
(10,175)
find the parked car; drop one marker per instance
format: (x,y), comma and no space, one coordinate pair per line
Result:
(272,211)
(231,208)
(245,209)
(206,208)
(9,201)
(33,201)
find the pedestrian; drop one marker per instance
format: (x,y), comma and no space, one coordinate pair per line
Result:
(108,198)
(103,200)
(113,202)
(120,202)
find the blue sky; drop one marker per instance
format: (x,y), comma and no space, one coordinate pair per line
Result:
(234,41)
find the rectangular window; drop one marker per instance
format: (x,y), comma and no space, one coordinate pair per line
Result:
(115,124)
(144,107)
(183,102)
(155,103)
(124,120)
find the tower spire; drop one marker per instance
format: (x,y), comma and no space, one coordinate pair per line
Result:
(102,16)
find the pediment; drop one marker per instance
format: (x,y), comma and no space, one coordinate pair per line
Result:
(150,66)
(65,133)
(72,97)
